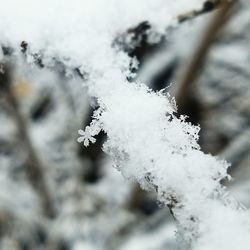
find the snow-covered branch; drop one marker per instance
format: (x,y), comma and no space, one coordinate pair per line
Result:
(146,140)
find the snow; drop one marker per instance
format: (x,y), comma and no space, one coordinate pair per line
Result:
(232,227)
(146,141)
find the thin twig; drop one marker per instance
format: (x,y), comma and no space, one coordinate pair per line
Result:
(208,6)
(191,74)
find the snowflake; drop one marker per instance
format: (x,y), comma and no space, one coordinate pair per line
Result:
(86,136)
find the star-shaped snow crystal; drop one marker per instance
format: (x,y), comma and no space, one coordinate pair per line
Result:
(86,136)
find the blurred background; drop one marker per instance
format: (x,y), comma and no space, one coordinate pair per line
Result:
(56,194)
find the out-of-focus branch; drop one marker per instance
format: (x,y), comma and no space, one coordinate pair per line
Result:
(5,218)
(208,6)
(192,72)
(34,167)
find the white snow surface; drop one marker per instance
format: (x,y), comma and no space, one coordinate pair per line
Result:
(146,141)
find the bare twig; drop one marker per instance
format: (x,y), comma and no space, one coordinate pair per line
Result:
(190,75)
(208,6)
